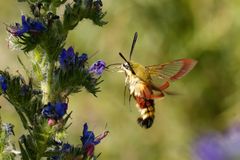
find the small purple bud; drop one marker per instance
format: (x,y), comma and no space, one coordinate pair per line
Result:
(51,122)
(98,67)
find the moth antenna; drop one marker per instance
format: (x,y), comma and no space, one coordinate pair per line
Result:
(127,63)
(123,57)
(133,45)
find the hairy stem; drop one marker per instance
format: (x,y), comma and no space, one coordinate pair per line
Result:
(47,85)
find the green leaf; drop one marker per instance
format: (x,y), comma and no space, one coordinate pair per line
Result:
(24,153)
(79,10)
(24,67)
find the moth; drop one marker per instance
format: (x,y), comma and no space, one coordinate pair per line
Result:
(139,81)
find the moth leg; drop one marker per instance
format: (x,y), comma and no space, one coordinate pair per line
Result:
(147,93)
(154,96)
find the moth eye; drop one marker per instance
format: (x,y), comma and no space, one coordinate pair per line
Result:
(126,66)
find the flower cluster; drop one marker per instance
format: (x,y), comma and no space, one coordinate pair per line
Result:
(29,25)
(54,112)
(217,146)
(56,73)
(69,59)
(89,141)
(3,83)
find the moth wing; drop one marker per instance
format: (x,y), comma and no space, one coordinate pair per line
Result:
(173,70)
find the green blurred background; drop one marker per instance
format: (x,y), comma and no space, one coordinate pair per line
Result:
(206,30)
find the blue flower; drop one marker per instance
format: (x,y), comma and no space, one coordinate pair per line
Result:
(66,148)
(62,150)
(48,111)
(98,67)
(60,109)
(89,140)
(88,136)
(35,26)
(67,57)
(217,146)
(83,58)
(28,25)
(54,111)
(3,83)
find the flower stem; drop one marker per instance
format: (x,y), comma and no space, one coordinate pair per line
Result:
(47,85)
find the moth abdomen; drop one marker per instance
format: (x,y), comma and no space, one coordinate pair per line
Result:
(147,110)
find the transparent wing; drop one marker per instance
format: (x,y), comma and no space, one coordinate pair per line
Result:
(173,70)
